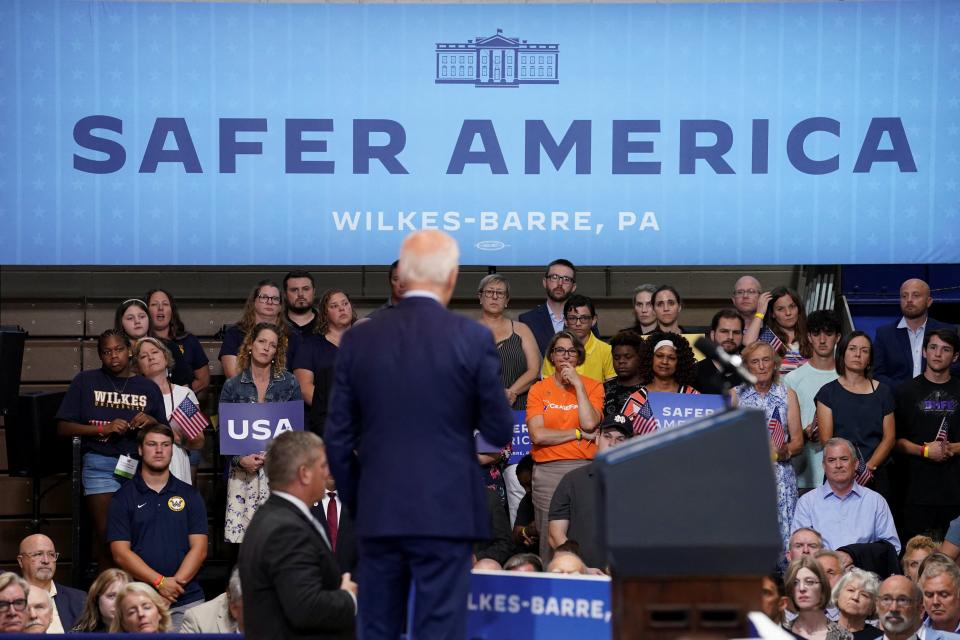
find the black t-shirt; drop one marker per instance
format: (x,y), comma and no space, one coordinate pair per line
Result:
(577,499)
(96,396)
(304,330)
(858,417)
(708,377)
(922,407)
(188,356)
(615,396)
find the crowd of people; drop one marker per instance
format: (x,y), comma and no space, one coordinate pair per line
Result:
(864,444)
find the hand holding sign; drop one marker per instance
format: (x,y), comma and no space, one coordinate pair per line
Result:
(247,428)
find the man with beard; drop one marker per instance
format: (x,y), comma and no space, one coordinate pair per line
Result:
(560,281)
(823,332)
(928,438)
(38,563)
(899,609)
(898,349)
(300,288)
(726,331)
(157,526)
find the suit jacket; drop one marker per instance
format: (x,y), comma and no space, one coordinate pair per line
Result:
(935,634)
(291,581)
(210,617)
(411,387)
(892,359)
(70,603)
(346,551)
(538,319)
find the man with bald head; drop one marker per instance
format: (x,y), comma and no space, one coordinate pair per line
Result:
(746,295)
(414,384)
(38,563)
(898,349)
(900,612)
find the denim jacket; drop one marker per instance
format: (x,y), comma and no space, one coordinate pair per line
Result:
(240,388)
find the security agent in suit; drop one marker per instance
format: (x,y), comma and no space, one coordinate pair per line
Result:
(411,385)
(223,614)
(898,348)
(344,541)
(292,585)
(544,320)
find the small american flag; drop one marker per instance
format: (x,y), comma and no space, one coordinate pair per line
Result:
(190,418)
(640,413)
(815,429)
(768,336)
(942,433)
(100,423)
(777,435)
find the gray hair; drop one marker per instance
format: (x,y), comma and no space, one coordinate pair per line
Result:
(234,593)
(287,453)
(428,256)
(493,278)
(649,288)
(936,564)
(46,595)
(836,442)
(868,580)
(8,578)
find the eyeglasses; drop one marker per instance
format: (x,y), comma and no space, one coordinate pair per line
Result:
(18,605)
(268,299)
(743,293)
(579,319)
(36,555)
(559,351)
(902,601)
(809,583)
(494,293)
(556,277)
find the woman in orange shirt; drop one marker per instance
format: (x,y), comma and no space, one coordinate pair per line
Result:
(563,412)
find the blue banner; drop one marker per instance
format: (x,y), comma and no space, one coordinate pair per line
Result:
(514,604)
(248,427)
(519,445)
(676,409)
(615,134)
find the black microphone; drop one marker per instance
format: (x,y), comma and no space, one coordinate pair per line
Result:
(732,364)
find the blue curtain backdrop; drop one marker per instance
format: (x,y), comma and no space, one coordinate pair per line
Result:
(192,134)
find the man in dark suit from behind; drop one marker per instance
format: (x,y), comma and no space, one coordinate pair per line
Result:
(292,585)
(411,387)
(898,349)
(38,563)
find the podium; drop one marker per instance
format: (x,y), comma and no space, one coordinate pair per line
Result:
(689,524)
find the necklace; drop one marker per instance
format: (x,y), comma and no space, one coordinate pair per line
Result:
(110,377)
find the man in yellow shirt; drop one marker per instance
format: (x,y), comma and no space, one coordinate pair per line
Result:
(579,317)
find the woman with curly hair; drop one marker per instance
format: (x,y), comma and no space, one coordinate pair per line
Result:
(667,364)
(101,604)
(781,321)
(263,377)
(781,407)
(313,362)
(264,304)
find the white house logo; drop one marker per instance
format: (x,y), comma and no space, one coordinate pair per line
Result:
(497,61)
